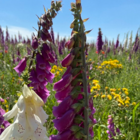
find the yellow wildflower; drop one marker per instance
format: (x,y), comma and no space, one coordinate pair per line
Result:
(91,90)
(55,67)
(124,89)
(106,88)
(5,101)
(95,96)
(6,106)
(126,92)
(15,101)
(53,70)
(113,89)
(103,96)
(119,105)
(127,98)
(109,97)
(95,81)
(120,101)
(134,103)
(127,102)
(57,72)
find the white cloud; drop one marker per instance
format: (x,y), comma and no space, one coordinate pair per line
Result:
(13,30)
(90,39)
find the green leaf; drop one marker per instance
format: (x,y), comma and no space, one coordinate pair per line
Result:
(84,20)
(134,110)
(88,31)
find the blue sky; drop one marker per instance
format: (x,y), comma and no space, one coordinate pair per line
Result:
(112,16)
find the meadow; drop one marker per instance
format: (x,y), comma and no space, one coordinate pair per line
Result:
(113,78)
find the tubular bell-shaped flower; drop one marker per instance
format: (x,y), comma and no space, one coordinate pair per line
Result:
(41,75)
(70,92)
(21,66)
(29,118)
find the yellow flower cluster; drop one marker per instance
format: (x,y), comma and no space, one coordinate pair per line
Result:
(95,85)
(120,95)
(57,70)
(111,64)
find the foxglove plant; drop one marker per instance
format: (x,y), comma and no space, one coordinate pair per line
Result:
(99,43)
(112,130)
(117,43)
(28,112)
(72,91)
(39,70)
(3,123)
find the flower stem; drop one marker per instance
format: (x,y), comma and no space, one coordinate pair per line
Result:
(85,86)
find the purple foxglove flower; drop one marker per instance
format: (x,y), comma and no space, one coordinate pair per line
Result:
(67,60)
(91,131)
(41,74)
(35,82)
(24,41)
(28,51)
(49,76)
(60,124)
(35,43)
(51,58)
(43,36)
(14,61)
(18,52)
(45,48)
(16,40)
(60,49)
(7,34)
(6,124)
(117,43)
(1,118)
(18,59)
(21,66)
(45,55)
(111,127)
(42,64)
(63,83)
(62,136)
(2,100)
(19,37)
(28,41)
(1,130)
(69,68)
(99,42)
(43,94)
(64,93)
(52,35)
(58,111)
(70,43)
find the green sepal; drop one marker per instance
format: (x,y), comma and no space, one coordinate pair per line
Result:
(78,119)
(75,128)
(75,92)
(78,106)
(75,71)
(88,31)
(75,81)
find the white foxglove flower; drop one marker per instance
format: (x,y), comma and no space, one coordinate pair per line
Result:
(29,118)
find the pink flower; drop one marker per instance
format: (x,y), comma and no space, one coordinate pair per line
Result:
(67,60)
(65,121)
(58,111)
(63,83)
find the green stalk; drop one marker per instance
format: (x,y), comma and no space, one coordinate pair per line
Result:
(85,86)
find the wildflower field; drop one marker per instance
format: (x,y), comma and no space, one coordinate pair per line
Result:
(112,79)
